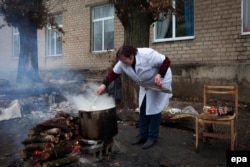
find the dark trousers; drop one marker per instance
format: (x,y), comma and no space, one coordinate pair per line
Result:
(149,124)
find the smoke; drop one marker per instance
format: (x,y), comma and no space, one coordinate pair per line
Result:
(89,101)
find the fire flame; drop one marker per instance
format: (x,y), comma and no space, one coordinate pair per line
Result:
(77,147)
(37,152)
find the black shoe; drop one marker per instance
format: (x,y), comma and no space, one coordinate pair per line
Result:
(149,143)
(138,140)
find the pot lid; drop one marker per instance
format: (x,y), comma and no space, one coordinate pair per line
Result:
(155,87)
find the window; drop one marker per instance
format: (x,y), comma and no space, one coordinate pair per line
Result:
(54,38)
(102,28)
(245,12)
(177,24)
(16,42)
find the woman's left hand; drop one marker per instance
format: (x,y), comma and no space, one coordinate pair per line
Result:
(158,81)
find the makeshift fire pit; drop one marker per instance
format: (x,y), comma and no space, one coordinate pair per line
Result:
(59,139)
(66,138)
(98,127)
(52,140)
(95,149)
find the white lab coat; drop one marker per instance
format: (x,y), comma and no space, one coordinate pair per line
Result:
(148,62)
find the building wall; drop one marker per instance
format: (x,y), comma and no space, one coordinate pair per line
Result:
(77,40)
(218,38)
(218,54)
(8,63)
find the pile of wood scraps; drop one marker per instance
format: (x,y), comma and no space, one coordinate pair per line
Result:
(176,113)
(53,141)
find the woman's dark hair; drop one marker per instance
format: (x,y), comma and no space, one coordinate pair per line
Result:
(126,51)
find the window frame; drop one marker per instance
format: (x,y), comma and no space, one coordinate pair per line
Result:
(243,18)
(56,34)
(173,38)
(15,33)
(102,20)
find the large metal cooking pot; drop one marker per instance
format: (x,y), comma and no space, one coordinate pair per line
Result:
(98,125)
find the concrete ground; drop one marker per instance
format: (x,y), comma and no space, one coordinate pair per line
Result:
(175,148)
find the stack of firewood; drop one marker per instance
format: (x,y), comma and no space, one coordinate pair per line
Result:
(52,140)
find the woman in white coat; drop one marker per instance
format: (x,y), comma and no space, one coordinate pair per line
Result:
(147,66)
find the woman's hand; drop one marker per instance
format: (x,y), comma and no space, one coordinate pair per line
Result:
(100,89)
(158,81)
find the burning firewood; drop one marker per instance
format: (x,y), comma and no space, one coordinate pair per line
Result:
(57,152)
(39,146)
(40,139)
(26,154)
(33,149)
(44,155)
(52,139)
(61,162)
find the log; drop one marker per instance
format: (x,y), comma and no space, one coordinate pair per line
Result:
(67,136)
(58,120)
(45,126)
(26,154)
(65,115)
(170,113)
(168,116)
(53,131)
(60,162)
(76,132)
(44,154)
(40,139)
(73,125)
(38,146)
(57,152)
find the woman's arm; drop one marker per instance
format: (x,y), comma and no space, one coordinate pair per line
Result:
(162,71)
(164,67)
(107,80)
(110,77)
